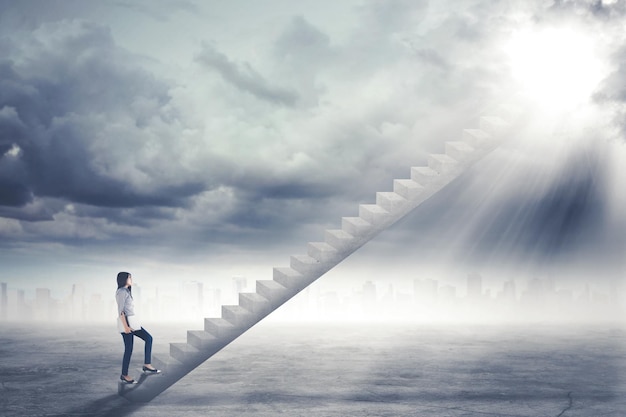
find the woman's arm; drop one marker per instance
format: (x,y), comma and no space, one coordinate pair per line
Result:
(127,328)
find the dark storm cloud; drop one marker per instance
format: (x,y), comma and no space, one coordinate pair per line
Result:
(244,77)
(28,214)
(164,10)
(60,89)
(144,216)
(598,8)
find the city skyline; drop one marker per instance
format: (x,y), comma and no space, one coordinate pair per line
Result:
(427,299)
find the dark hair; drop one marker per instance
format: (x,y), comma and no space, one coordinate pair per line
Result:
(122,277)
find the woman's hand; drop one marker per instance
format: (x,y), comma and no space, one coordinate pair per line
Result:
(127,328)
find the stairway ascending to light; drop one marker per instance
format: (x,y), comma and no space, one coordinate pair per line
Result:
(288,281)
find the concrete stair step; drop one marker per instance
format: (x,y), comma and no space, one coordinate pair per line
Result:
(407,188)
(322,251)
(423,175)
(254,302)
(219,327)
(290,278)
(183,351)
(355,226)
(237,315)
(165,362)
(441,163)
(304,264)
(458,150)
(272,290)
(390,201)
(506,111)
(492,125)
(339,239)
(200,339)
(373,214)
(476,137)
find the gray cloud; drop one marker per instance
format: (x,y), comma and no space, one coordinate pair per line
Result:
(244,77)
(302,40)
(613,91)
(164,10)
(62,89)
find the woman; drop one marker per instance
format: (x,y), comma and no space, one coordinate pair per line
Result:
(129,327)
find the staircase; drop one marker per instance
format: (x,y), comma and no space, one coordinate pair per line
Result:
(390,207)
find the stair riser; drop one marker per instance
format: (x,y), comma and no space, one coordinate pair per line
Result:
(219,331)
(372,216)
(292,281)
(272,294)
(475,137)
(355,226)
(492,125)
(256,307)
(392,202)
(237,319)
(323,255)
(340,243)
(423,177)
(181,354)
(308,267)
(408,189)
(167,364)
(200,342)
(442,167)
(458,151)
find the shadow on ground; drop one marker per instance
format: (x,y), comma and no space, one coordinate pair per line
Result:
(109,406)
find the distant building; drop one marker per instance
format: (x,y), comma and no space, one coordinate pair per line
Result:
(369,296)
(509,292)
(240,284)
(193,298)
(474,286)
(15,299)
(330,303)
(43,304)
(77,301)
(447,293)
(96,310)
(213,304)
(4,302)
(425,290)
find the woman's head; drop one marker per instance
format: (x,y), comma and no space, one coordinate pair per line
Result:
(123,279)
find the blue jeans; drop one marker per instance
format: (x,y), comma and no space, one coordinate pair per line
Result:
(128,347)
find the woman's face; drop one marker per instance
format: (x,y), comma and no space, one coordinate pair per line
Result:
(129,280)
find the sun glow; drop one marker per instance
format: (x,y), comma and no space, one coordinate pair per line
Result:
(557,67)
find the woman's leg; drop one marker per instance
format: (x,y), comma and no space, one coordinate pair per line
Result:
(143,334)
(128,351)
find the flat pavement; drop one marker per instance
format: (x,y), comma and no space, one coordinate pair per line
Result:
(342,370)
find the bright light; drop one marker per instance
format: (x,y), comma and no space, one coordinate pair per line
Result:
(557,67)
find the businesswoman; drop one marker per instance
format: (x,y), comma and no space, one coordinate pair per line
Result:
(129,326)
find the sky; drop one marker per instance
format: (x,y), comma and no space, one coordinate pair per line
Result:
(198,140)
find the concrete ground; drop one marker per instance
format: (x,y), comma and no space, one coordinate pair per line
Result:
(337,370)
